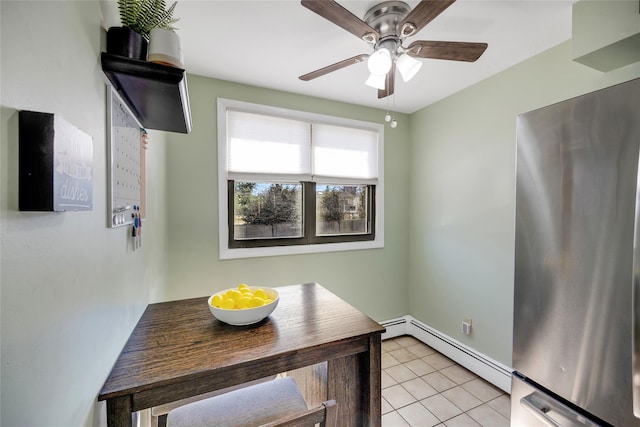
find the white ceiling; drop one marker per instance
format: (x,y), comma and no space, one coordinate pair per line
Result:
(270,43)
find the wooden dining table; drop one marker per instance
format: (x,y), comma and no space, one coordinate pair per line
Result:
(179,350)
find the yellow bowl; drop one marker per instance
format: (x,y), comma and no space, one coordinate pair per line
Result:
(245,316)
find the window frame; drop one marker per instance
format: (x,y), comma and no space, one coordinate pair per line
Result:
(309,223)
(287,246)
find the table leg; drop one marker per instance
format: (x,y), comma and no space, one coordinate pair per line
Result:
(372,360)
(344,385)
(120,412)
(355,383)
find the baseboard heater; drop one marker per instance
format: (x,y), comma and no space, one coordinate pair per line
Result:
(480,364)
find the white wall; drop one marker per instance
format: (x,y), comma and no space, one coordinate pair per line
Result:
(463,202)
(71,291)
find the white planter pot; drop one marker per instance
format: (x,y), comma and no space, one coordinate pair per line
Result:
(164,48)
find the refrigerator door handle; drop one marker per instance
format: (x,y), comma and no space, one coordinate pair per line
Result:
(635,310)
(553,413)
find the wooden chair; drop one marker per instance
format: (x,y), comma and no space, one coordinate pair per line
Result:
(276,403)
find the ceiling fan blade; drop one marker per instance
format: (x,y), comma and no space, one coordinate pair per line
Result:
(453,51)
(340,16)
(424,12)
(388,84)
(333,67)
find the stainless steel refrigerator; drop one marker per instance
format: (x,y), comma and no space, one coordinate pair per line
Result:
(577,262)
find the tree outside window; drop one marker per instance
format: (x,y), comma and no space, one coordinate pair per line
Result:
(341,209)
(267,210)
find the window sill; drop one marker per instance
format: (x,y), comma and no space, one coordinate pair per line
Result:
(226,253)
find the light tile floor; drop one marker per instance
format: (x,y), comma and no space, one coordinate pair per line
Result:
(421,387)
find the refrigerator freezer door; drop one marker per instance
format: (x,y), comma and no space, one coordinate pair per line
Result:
(577,168)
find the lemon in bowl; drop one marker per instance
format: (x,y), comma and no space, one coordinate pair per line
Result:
(243,305)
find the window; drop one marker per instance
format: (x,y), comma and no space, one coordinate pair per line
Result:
(295,182)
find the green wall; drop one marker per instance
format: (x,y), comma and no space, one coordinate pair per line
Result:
(462,199)
(71,288)
(71,291)
(373,280)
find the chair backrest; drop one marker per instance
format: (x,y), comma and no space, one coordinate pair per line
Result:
(164,409)
(276,403)
(326,415)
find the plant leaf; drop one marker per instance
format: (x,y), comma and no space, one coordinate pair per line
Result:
(144,15)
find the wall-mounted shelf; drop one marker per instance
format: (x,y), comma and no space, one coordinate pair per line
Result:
(157,94)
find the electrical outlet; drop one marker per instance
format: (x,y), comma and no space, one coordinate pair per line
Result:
(466,326)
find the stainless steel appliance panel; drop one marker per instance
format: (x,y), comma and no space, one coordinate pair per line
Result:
(577,170)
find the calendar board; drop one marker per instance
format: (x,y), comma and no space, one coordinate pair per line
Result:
(127,139)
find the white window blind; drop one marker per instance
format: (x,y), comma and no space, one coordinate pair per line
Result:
(269,148)
(346,154)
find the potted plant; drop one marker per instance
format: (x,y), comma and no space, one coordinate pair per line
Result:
(138,18)
(164,45)
(165,48)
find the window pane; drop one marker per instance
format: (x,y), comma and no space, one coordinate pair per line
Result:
(341,209)
(267,210)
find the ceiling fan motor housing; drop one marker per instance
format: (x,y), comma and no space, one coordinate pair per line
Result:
(384,18)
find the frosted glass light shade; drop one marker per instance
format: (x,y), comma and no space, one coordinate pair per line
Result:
(408,66)
(379,62)
(376,81)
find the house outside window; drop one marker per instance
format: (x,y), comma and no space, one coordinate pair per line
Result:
(292,182)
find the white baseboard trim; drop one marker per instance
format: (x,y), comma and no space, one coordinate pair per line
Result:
(480,364)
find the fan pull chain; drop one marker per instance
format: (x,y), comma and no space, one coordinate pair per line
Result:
(388,117)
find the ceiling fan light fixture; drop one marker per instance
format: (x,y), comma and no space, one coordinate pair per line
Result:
(376,81)
(379,62)
(385,27)
(408,66)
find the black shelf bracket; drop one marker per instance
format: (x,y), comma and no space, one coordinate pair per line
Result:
(157,94)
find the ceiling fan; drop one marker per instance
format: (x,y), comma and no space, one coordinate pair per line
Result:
(385,27)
